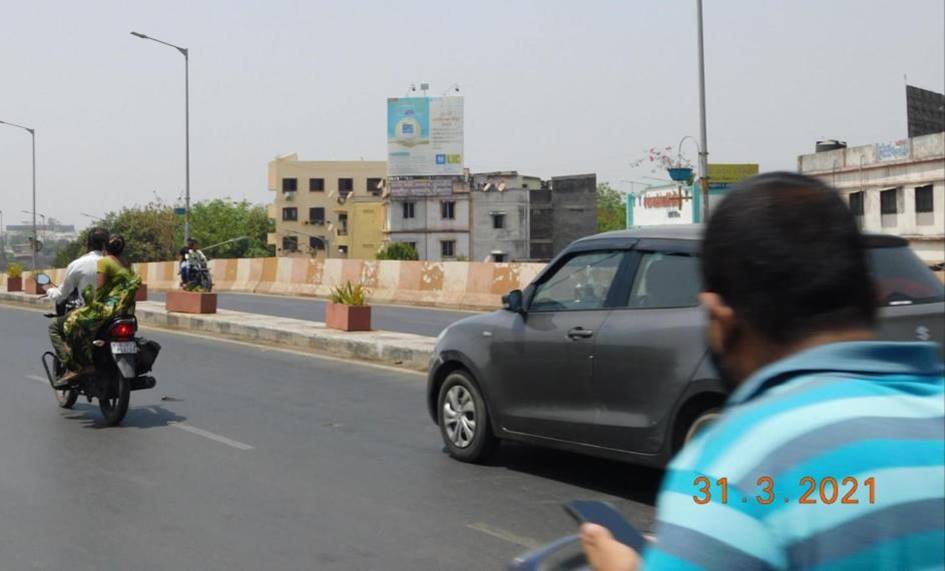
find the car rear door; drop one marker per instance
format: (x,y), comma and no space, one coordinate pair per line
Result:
(648,349)
(545,356)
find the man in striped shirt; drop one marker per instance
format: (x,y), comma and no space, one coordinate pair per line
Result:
(831,451)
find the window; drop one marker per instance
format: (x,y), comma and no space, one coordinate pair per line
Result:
(448,210)
(345,187)
(887,202)
(290,214)
(342,223)
(499,258)
(498,220)
(412,245)
(316,185)
(290,184)
(923,199)
(343,251)
(316,215)
(447,248)
(582,282)
(856,203)
(665,280)
(290,243)
(316,243)
(902,278)
(373,186)
(409,210)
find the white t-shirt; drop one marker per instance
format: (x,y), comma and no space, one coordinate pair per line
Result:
(81,272)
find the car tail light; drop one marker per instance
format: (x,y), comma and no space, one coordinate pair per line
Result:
(123,330)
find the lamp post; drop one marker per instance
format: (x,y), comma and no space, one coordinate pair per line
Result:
(186,54)
(704,146)
(32,133)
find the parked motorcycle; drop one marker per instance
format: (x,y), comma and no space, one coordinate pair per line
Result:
(122,361)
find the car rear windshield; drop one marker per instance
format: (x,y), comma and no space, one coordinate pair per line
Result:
(902,278)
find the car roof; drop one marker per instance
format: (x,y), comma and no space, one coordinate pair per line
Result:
(693,232)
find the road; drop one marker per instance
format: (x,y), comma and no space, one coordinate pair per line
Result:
(404,319)
(265,459)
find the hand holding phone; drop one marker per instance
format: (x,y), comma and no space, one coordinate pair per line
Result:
(604,514)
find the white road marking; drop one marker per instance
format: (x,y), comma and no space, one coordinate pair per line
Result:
(37,378)
(504,535)
(212,436)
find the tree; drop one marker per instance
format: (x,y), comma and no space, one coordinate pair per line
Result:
(154,233)
(611,209)
(397,251)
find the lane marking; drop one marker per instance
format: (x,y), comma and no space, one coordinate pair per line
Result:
(212,436)
(504,535)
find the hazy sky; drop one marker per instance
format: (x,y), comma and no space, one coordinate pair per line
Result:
(551,87)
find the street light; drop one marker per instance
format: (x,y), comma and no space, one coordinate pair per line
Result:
(704,146)
(32,133)
(186,55)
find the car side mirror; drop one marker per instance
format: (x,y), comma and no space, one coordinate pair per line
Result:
(514,301)
(42,279)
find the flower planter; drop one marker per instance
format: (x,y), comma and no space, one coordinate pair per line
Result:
(14,284)
(142,293)
(348,317)
(679,174)
(190,302)
(30,287)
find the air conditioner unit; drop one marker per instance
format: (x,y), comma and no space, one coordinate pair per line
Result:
(290,196)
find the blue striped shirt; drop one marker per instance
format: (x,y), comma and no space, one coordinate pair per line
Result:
(833,458)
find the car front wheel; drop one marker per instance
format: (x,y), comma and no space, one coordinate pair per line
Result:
(464,420)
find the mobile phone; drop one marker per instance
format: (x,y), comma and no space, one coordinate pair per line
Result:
(604,514)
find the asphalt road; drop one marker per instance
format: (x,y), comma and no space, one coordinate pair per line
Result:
(404,319)
(264,459)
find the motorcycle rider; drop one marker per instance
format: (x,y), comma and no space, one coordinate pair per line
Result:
(80,273)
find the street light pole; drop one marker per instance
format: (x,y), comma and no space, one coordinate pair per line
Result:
(32,133)
(186,53)
(704,146)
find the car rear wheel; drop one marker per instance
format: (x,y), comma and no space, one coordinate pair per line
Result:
(464,420)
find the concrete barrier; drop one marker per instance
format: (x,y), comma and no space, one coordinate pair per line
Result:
(468,285)
(396,349)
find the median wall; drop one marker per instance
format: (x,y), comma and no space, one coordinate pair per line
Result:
(472,285)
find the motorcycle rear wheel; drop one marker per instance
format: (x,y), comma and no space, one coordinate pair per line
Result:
(115,407)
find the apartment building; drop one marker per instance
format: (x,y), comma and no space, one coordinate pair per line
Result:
(893,188)
(328,209)
(431,214)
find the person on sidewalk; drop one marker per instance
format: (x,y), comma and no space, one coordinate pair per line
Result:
(80,274)
(831,449)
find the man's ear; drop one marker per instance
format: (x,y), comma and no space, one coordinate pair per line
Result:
(721,320)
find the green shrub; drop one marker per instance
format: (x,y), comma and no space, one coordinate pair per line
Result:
(397,251)
(15,270)
(348,294)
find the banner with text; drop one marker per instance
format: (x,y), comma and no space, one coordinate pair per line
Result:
(425,136)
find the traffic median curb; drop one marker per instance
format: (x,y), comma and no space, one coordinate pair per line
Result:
(403,350)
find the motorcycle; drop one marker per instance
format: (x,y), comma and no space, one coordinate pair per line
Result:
(198,276)
(121,359)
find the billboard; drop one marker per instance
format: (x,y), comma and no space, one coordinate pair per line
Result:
(925,111)
(424,136)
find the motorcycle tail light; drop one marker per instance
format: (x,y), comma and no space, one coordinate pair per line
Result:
(122,330)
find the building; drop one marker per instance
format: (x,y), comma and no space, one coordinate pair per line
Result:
(894,188)
(327,208)
(500,215)
(681,203)
(561,211)
(431,214)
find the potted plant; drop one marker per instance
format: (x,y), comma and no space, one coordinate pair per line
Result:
(346,310)
(15,277)
(192,299)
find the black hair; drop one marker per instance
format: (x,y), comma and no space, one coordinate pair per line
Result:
(784,251)
(115,247)
(183,253)
(191,242)
(96,239)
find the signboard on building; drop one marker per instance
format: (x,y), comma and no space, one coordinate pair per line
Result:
(425,136)
(893,151)
(420,187)
(730,173)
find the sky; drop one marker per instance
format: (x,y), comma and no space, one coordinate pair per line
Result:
(551,87)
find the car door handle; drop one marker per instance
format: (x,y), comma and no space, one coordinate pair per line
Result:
(580,333)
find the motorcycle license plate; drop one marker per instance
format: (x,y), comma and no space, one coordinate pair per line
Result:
(124,347)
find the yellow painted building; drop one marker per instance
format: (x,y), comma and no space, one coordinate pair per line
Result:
(327,208)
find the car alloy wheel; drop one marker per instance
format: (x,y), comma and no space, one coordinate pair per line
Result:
(459,416)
